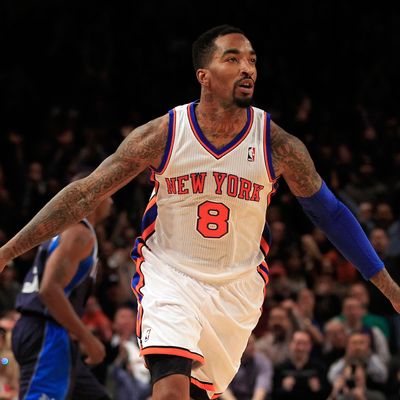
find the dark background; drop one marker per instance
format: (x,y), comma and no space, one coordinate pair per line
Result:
(114,60)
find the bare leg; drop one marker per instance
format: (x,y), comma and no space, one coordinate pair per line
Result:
(172,387)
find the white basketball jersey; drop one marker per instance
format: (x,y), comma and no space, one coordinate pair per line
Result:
(206,216)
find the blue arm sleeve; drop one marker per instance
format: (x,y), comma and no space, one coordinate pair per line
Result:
(342,229)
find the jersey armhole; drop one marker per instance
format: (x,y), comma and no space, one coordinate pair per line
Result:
(169,145)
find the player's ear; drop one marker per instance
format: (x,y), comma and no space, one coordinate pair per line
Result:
(202,76)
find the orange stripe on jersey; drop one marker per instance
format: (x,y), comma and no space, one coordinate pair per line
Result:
(202,385)
(264,245)
(148,231)
(265,277)
(216,396)
(151,203)
(173,351)
(263,274)
(139,262)
(265,265)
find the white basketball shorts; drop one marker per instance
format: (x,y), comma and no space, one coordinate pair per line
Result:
(209,324)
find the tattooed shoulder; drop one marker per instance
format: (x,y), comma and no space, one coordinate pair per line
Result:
(292,160)
(145,145)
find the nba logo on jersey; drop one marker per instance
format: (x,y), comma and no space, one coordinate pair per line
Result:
(147,334)
(251,154)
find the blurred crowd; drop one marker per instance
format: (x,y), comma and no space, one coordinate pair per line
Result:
(324,332)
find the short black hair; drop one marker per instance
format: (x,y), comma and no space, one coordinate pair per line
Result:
(204,45)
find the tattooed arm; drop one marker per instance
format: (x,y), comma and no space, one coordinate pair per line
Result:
(383,281)
(144,147)
(291,160)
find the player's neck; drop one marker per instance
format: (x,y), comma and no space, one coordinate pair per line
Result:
(212,108)
(213,117)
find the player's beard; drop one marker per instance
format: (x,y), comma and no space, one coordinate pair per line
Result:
(243,103)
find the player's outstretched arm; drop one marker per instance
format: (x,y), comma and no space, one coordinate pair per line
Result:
(144,147)
(292,160)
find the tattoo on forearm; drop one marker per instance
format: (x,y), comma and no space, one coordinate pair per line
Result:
(291,159)
(386,284)
(141,148)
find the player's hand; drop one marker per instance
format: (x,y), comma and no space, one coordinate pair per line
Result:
(93,348)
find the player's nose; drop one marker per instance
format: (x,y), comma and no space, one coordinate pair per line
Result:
(248,69)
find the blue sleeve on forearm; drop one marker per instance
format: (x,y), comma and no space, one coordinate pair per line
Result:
(342,229)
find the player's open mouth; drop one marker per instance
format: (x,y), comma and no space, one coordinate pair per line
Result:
(246,86)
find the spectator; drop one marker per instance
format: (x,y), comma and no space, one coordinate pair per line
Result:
(129,376)
(392,389)
(9,289)
(353,313)
(100,325)
(359,354)
(304,313)
(364,186)
(96,320)
(365,215)
(300,376)
(274,344)
(360,292)
(384,218)
(335,341)
(379,304)
(254,379)
(327,298)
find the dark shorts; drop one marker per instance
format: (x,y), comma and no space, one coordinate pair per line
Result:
(50,363)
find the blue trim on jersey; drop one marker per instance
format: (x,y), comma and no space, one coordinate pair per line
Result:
(83,269)
(269,152)
(267,237)
(134,283)
(53,245)
(53,367)
(149,217)
(205,140)
(169,142)
(264,270)
(134,254)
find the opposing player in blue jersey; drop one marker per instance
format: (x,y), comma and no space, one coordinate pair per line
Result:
(48,338)
(200,268)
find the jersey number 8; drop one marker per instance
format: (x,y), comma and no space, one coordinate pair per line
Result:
(212,219)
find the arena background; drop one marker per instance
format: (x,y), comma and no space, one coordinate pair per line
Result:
(75,77)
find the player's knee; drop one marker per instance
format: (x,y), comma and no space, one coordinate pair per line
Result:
(171,392)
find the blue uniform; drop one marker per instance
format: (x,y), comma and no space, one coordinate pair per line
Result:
(50,362)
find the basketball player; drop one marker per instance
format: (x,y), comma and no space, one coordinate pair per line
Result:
(51,303)
(200,261)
